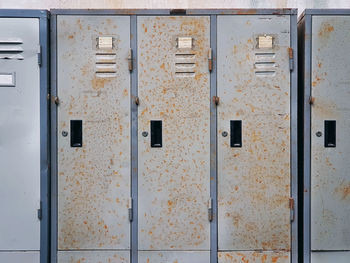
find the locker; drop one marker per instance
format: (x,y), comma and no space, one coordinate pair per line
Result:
(195,112)
(174,94)
(254,136)
(93,137)
(23,136)
(325,95)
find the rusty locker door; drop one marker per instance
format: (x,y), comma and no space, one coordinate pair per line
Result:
(173,138)
(330,144)
(254,138)
(93,138)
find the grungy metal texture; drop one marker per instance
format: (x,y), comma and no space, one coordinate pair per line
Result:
(254,180)
(253,257)
(19,138)
(330,180)
(94,86)
(94,256)
(173,86)
(174,257)
(330,256)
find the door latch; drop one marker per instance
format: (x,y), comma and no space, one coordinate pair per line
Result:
(130,212)
(210,59)
(291,206)
(130,58)
(210,209)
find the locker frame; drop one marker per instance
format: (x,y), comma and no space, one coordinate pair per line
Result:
(304,116)
(43,16)
(212,13)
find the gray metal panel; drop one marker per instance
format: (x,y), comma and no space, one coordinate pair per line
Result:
(254,257)
(94,180)
(294,139)
(254,182)
(330,257)
(226,11)
(174,181)
(53,141)
(134,142)
(213,144)
(174,257)
(93,256)
(305,77)
(330,182)
(20,256)
(20,143)
(44,139)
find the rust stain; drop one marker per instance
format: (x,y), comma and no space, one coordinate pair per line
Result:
(343,191)
(326,30)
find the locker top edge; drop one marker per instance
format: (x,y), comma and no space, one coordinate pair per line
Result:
(260,11)
(27,13)
(327,11)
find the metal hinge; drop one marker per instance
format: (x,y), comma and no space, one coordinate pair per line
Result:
(39,56)
(216,100)
(311,100)
(291,206)
(55,100)
(210,59)
(210,209)
(130,210)
(40,213)
(137,101)
(291,59)
(130,58)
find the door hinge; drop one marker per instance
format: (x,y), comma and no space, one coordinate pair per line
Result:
(137,101)
(311,100)
(39,56)
(291,206)
(130,60)
(130,210)
(39,212)
(216,100)
(291,59)
(210,209)
(210,59)
(55,100)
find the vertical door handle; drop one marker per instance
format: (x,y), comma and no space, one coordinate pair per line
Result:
(76,133)
(329,134)
(236,133)
(156,134)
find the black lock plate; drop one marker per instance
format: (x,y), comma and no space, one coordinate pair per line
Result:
(76,133)
(236,133)
(156,134)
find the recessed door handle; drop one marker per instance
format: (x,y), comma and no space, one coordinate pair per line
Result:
(236,133)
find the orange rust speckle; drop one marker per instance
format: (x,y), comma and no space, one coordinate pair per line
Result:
(70,36)
(343,190)
(162,66)
(326,29)
(85,222)
(105,227)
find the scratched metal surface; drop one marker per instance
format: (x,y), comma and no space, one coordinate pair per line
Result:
(254,257)
(174,257)
(93,181)
(330,180)
(174,179)
(254,181)
(94,256)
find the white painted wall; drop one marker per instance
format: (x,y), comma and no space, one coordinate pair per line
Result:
(105,4)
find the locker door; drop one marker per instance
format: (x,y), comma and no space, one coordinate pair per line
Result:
(93,138)
(174,139)
(253,138)
(19,140)
(330,144)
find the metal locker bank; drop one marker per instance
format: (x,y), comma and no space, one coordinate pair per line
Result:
(24,181)
(174,136)
(324,90)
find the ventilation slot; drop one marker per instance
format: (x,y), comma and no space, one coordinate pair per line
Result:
(267,55)
(10,48)
(265,73)
(265,65)
(185,65)
(106,66)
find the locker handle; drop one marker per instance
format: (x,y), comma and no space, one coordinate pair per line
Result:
(76,133)
(156,134)
(236,133)
(330,133)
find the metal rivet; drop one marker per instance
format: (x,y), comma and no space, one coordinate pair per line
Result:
(318,134)
(64,133)
(224,134)
(144,134)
